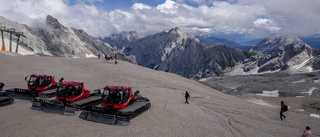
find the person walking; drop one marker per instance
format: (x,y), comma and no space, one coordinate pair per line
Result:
(61,80)
(282,109)
(187,96)
(306,132)
(115,58)
(1,86)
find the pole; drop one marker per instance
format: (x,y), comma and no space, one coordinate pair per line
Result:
(3,47)
(10,48)
(17,44)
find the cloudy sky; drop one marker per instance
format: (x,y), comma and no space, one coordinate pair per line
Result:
(241,18)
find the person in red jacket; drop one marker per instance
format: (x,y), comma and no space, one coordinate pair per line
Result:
(282,110)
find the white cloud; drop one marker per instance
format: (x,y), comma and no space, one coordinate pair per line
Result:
(242,17)
(266,24)
(168,7)
(299,17)
(140,6)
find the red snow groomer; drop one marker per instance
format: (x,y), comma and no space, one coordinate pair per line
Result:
(36,83)
(70,96)
(118,106)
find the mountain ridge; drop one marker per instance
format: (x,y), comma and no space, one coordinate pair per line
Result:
(280,53)
(54,39)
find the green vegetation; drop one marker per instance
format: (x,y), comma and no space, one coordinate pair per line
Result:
(250,53)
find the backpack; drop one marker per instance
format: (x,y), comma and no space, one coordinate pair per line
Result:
(285,108)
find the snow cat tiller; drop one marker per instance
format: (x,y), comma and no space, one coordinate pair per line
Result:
(70,96)
(118,106)
(53,106)
(28,94)
(6,98)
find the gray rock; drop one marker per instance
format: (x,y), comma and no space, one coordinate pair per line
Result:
(57,40)
(281,53)
(181,53)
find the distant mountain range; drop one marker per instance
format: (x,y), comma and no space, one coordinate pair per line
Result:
(280,53)
(313,41)
(178,52)
(174,51)
(211,40)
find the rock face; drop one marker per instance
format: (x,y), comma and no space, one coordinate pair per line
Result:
(181,53)
(58,40)
(281,53)
(70,42)
(31,42)
(122,39)
(271,44)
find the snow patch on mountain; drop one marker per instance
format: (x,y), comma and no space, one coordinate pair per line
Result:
(274,93)
(167,51)
(315,115)
(310,91)
(21,50)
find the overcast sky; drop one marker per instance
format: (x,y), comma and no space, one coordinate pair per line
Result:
(246,18)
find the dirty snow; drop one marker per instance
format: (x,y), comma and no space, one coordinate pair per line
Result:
(204,79)
(261,102)
(302,64)
(274,93)
(90,55)
(310,91)
(21,50)
(315,115)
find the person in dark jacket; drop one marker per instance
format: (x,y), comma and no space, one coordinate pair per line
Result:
(282,110)
(61,80)
(187,96)
(1,86)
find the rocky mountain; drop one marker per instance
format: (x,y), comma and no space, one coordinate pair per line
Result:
(280,53)
(122,39)
(271,44)
(69,42)
(31,42)
(57,40)
(181,53)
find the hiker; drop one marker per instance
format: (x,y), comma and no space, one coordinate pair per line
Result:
(105,56)
(98,56)
(137,95)
(282,110)
(187,96)
(306,132)
(1,86)
(61,80)
(115,58)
